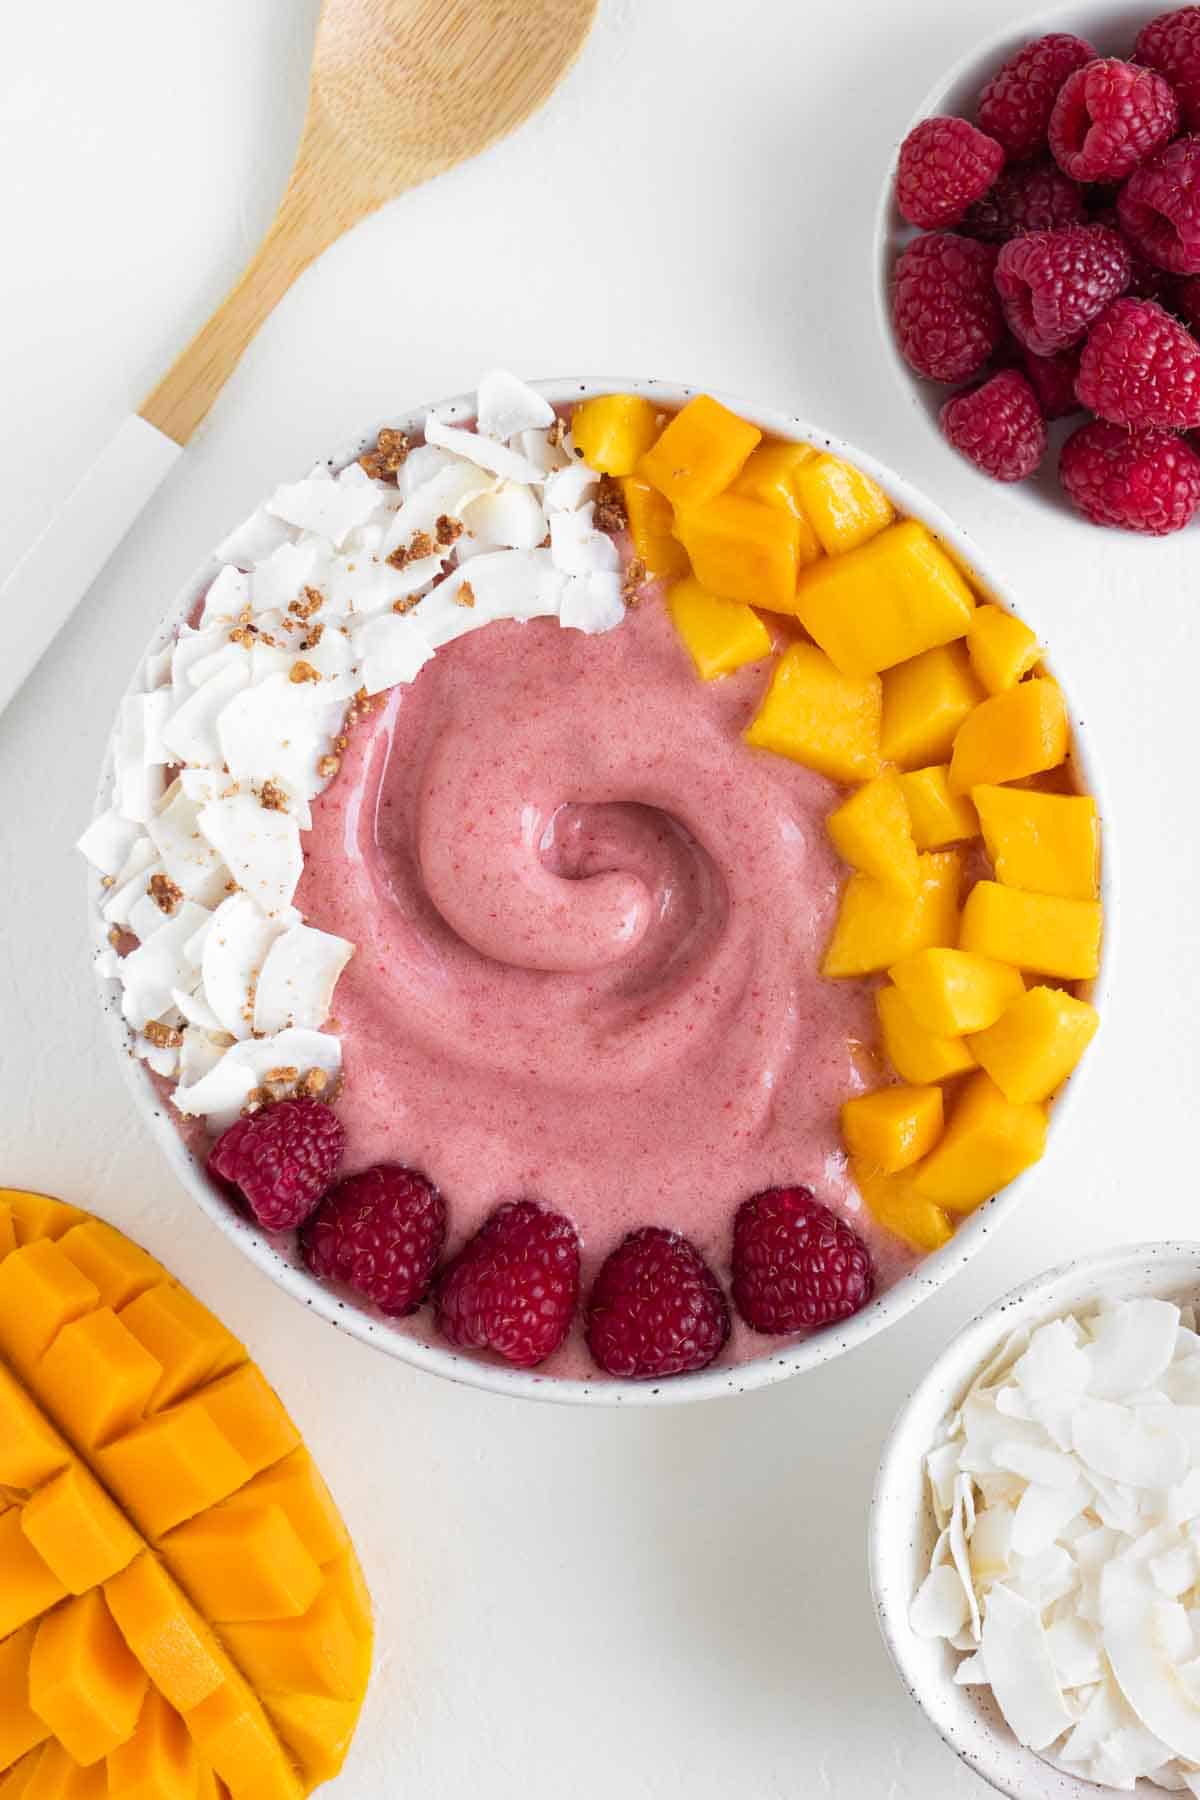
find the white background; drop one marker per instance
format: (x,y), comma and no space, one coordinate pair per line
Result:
(651,1605)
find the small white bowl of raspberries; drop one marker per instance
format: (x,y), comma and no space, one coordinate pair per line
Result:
(1040,261)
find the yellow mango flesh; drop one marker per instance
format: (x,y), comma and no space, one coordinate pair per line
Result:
(1039,932)
(916,1054)
(986,1144)
(720,635)
(652,530)
(1036,1043)
(700,452)
(938,816)
(872,832)
(893,1127)
(1001,647)
(119,1674)
(1046,843)
(770,477)
(1011,735)
(820,717)
(885,602)
(892,1202)
(614,431)
(953,992)
(877,924)
(845,506)
(925,701)
(742,550)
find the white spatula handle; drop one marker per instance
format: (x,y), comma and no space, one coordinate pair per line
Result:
(43,590)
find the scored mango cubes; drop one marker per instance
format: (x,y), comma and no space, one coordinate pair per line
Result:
(127,1636)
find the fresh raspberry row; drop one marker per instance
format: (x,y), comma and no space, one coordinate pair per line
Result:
(1051,292)
(655,1310)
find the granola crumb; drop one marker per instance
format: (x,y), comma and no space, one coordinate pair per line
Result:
(231,886)
(342,742)
(107,881)
(545,543)
(312,602)
(328,766)
(114,936)
(465,595)
(255,1100)
(163,1037)
(610,514)
(631,586)
(448,530)
(304,671)
(421,546)
(312,1083)
(165,893)
(274,1076)
(315,633)
(390,454)
(557,433)
(405,604)
(272,797)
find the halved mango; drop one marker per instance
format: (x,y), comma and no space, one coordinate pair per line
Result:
(720,635)
(925,700)
(938,816)
(1014,734)
(986,1144)
(845,506)
(1001,647)
(878,924)
(613,431)
(700,452)
(916,1054)
(953,992)
(893,1127)
(872,832)
(83,1679)
(1040,932)
(1036,1043)
(893,597)
(1046,843)
(820,717)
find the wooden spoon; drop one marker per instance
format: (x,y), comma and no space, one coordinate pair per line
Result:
(401,90)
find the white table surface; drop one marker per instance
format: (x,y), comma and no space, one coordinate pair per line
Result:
(653,1605)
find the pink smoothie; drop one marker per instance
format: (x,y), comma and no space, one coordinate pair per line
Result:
(588,922)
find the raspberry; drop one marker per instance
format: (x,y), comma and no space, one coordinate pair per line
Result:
(514,1287)
(381,1232)
(1052,379)
(281,1160)
(1146,280)
(1052,284)
(1016,104)
(944,165)
(1146,481)
(944,306)
(1186,301)
(1109,117)
(1159,207)
(796,1265)
(999,426)
(1140,367)
(1171,44)
(1028,197)
(656,1308)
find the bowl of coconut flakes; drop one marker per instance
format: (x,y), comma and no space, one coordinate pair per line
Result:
(1035,1533)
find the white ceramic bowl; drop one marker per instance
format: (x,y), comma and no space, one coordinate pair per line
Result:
(1112,26)
(285,1269)
(902,1530)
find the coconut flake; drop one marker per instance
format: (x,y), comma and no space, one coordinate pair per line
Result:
(235,951)
(592,603)
(1132,1345)
(1138,1451)
(280,578)
(940,1607)
(296,982)
(568,489)
(227,598)
(152,972)
(481,451)
(510,517)
(108,840)
(392,649)
(331,509)
(1129,1614)
(260,847)
(506,406)
(191,731)
(1020,1670)
(270,732)
(222,1091)
(577,548)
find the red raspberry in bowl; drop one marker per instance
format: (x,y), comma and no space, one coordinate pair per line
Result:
(656,1308)
(1159,207)
(998,426)
(381,1232)
(1052,284)
(1028,197)
(1171,44)
(1109,117)
(1052,379)
(1016,104)
(514,1287)
(944,165)
(796,1265)
(1140,367)
(944,306)
(1147,481)
(1185,298)
(280,1160)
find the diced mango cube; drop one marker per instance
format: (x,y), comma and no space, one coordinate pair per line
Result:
(83,1679)
(877,925)
(770,477)
(700,452)
(986,1144)
(244,1564)
(891,1201)
(1014,734)
(652,529)
(183,1337)
(8,1230)
(21,1729)
(887,601)
(296,1485)
(1047,843)
(872,832)
(1040,932)
(40,1292)
(118,1269)
(38,1215)
(1002,648)
(159,1761)
(317,1653)
(613,431)
(172,1467)
(234,1733)
(846,507)
(315,1729)
(251,1416)
(742,550)
(720,635)
(938,816)
(173,1644)
(95,1379)
(916,1054)
(29,1588)
(57,1776)
(30,1450)
(954,992)
(78,1531)
(925,700)
(1035,1044)
(820,717)
(893,1127)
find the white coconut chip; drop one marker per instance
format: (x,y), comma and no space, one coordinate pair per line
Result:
(296,982)
(270,732)
(187,857)
(200,1051)
(568,489)
(939,1607)
(392,649)
(510,518)
(280,578)
(506,406)
(254,539)
(330,509)
(261,848)
(227,598)
(592,603)
(1116,1442)
(194,1008)
(151,973)
(481,451)
(577,548)
(221,1092)
(1020,1670)
(138,756)
(108,840)
(541,452)
(191,731)
(1132,1345)
(445,492)
(235,950)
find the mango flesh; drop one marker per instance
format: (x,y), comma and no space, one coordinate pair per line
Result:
(872,832)
(700,452)
(1001,647)
(1011,735)
(1042,933)
(877,924)
(1036,1043)
(893,1127)
(917,1054)
(121,1599)
(820,717)
(614,431)
(925,701)
(652,530)
(885,602)
(891,1200)
(845,506)
(720,635)
(742,550)
(1046,843)
(987,1143)
(953,992)
(938,816)
(770,477)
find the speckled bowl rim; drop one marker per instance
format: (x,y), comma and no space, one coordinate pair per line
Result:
(777,1364)
(899,1531)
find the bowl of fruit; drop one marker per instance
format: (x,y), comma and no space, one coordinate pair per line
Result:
(1038,261)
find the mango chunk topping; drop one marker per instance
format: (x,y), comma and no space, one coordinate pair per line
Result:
(652,529)
(873,832)
(938,816)
(986,1144)
(743,550)
(1047,843)
(893,1127)
(1040,932)
(916,1053)
(877,923)
(613,431)
(885,602)
(1012,735)
(925,701)
(1001,647)
(953,992)
(720,635)
(1036,1043)
(845,506)
(820,717)
(699,453)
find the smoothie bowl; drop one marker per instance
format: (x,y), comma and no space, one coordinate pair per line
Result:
(598,892)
